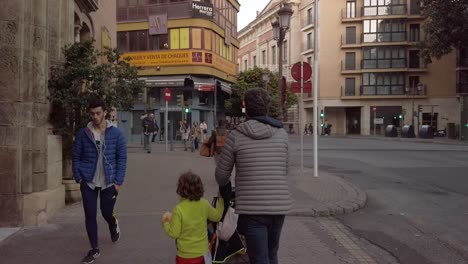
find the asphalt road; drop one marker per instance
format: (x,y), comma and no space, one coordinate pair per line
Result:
(417,194)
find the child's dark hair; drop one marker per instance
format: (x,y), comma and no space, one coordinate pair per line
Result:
(190,186)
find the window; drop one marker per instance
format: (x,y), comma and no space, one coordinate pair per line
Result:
(255,61)
(415,7)
(384,8)
(414,59)
(263,57)
(414,32)
(389,30)
(463,58)
(310,41)
(285,51)
(133,41)
(350,35)
(273,54)
(413,84)
(350,9)
(245,65)
(122,44)
(310,18)
(350,86)
(350,61)
(180,38)
(384,57)
(158,42)
(383,84)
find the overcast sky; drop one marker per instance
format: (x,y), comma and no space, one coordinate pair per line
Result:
(248,11)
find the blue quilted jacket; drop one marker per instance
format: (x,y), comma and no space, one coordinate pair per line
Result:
(85,156)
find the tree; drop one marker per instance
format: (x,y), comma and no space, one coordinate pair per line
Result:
(253,79)
(86,73)
(446,27)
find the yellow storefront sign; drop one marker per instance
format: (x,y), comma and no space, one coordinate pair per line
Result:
(180,58)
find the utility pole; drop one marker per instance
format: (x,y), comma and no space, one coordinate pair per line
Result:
(316,84)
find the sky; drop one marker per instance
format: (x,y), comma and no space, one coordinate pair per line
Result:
(248,11)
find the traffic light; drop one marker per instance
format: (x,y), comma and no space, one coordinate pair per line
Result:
(180,100)
(466,125)
(322,115)
(400,116)
(187,109)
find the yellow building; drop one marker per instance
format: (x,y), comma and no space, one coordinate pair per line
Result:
(187,46)
(369,64)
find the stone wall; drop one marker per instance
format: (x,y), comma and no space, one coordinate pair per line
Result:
(31,34)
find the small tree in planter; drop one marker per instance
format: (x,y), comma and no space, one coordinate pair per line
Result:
(86,73)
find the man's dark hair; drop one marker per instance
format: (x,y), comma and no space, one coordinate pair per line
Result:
(257,102)
(190,186)
(96,102)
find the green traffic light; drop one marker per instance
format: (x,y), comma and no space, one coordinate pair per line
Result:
(186,110)
(466,125)
(322,125)
(321,115)
(401,116)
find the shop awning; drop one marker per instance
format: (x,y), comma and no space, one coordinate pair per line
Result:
(203,84)
(225,87)
(165,81)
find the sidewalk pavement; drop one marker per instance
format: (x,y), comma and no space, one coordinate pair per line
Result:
(435,140)
(149,190)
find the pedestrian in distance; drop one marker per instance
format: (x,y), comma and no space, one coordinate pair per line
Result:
(258,148)
(99,165)
(204,130)
(195,135)
(184,132)
(150,128)
(187,223)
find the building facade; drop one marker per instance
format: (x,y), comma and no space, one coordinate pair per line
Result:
(370,69)
(32,36)
(187,46)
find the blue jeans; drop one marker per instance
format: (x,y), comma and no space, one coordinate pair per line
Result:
(262,234)
(148,139)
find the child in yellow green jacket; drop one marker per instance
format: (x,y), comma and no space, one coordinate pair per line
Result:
(188,222)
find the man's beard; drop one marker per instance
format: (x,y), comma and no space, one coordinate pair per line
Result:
(98,122)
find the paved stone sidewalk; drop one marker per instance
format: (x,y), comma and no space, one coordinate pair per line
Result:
(150,190)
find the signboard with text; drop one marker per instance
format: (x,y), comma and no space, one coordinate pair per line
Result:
(180,58)
(202,10)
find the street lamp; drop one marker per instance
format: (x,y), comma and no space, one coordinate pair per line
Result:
(280,26)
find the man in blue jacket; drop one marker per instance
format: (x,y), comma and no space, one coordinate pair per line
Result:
(99,164)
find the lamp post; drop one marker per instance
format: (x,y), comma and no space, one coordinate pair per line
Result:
(280,26)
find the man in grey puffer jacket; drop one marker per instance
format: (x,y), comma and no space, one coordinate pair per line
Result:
(259,150)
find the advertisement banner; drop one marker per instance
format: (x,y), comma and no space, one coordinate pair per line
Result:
(158,24)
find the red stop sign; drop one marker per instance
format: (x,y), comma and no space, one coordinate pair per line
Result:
(296,71)
(167,94)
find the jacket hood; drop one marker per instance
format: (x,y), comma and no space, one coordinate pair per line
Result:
(108,122)
(260,127)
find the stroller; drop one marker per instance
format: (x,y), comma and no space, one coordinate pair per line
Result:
(226,245)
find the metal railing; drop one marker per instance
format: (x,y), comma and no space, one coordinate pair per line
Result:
(349,67)
(383,63)
(350,14)
(348,91)
(344,42)
(389,10)
(382,90)
(400,36)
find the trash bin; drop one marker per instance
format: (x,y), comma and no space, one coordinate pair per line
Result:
(426,131)
(451,131)
(391,131)
(408,131)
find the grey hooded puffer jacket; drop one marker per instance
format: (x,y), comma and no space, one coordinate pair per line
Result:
(260,153)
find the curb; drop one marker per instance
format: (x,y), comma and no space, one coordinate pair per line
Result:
(354,200)
(414,140)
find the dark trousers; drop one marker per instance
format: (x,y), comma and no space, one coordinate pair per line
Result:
(108,197)
(262,235)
